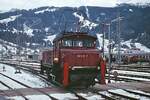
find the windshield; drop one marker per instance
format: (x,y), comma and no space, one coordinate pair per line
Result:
(77,43)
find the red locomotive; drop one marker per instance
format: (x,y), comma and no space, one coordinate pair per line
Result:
(73,60)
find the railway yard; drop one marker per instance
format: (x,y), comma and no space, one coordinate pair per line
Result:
(24,82)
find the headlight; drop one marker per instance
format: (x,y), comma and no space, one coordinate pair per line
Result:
(55,60)
(72,68)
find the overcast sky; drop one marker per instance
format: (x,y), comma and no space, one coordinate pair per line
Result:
(28,4)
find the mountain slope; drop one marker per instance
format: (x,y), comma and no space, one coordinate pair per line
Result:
(31,28)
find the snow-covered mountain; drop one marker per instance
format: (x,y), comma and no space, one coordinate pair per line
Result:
(34,28)
(142,2)
(125,45)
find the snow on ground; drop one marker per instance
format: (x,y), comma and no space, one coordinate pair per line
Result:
(15,98)
(113,81)
(46,29)
(91,96)
(105,93)
(133,73)
(10,82)
(133,78)
(142,47)
(86,23)
(87,12)
(2,87)
(48,10)
(11,18)
(140,92)
(100,40)
(50,38)
(30,63)
(140,2)
(122,92)
(137,45)
(125,93)
(24,77)
(64,96)
(28,30)
(123,50)
(38,97)
(58,96)
(8,48)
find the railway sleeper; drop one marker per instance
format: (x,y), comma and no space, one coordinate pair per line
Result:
(124,94)
(141,93)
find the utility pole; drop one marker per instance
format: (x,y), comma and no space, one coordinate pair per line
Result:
(2,54)
(119,42)
(109,53)
(109,46)
(103,25)
(118,19)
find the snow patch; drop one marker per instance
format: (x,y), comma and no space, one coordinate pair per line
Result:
(142,47)
(38,97)
(137,45)
(87,12)
(100,40)
(85,23)
(15,98)
(122,92)
(28,30)
(2,87)
(14,30)
(46,29)
(64,96)
(139,2)
(24,77)
(50,38)
(48,9)
(102,14)
(128,43)
(91,96)
(130,10)
(11,18)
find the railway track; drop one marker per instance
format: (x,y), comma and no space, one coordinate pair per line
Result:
(114,94)
(136,69)
(42,76)
(12,89)
(127,77)
(103,95)
(16,81)
(32,70)
(129,73)
(27,86)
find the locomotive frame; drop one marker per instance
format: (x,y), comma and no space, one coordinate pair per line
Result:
(74,60)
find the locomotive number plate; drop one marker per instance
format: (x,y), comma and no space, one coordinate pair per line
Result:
(82,56)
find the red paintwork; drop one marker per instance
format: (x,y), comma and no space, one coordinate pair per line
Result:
(66,75)
(103,70)
(47,57)
(71,58)
(80,57)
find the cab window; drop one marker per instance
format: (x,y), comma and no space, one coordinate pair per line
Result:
(77,43)
(67,43)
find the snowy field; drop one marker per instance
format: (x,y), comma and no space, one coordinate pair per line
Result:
(34,81)
(31,80)
(25,77)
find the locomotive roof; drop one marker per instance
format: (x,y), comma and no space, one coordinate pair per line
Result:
(73,34)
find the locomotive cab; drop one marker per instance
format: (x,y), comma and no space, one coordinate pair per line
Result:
(76,60)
